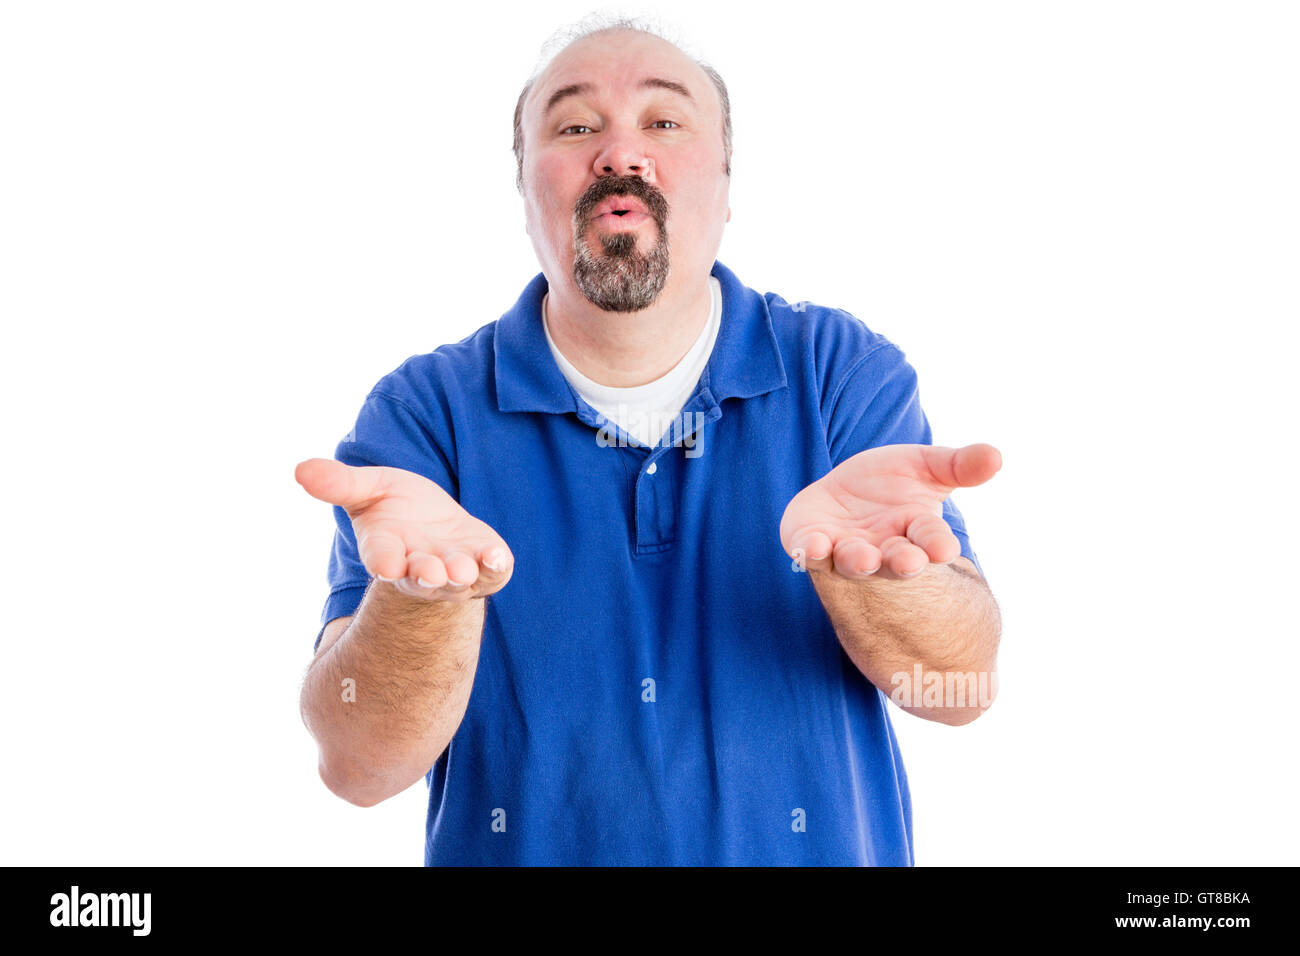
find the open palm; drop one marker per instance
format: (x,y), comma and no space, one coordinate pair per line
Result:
(881,511)
(411,532)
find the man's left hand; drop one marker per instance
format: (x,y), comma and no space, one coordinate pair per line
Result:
(880,513)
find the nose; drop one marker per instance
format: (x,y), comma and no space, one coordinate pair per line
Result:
(623,155)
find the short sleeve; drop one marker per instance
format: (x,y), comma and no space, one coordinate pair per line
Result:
(877,403)
(390,432)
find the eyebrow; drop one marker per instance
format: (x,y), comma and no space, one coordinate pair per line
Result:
(579,89)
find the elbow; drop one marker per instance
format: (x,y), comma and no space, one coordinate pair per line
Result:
(960,716)
(955,716)
(976,705)
(969,694)
(341,768)
(356,787)
(365,780)
(358,799)
(946,696)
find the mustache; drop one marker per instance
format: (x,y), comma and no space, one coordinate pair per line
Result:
(633,186)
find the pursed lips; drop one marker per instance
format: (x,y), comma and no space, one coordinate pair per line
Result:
(622,206)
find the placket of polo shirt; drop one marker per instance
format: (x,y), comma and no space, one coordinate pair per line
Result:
(654,506)
(657,484)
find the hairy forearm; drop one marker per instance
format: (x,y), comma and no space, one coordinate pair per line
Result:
(943,622)
(386,698)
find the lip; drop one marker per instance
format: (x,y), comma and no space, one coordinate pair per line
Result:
(629,220)
(630,203)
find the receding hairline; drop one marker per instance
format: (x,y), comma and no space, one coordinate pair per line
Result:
(586,86)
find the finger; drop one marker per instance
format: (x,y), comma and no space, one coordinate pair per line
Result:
(932,535)
(811,548)
(339,484)
(962,467)
(426,570)
(496,559)
(412,588)
(856,558)
(462,570)
(901,558)
(383,553)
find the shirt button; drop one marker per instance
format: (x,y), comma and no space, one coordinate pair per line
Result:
(654,466)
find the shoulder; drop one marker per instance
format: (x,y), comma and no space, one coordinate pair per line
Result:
(408,419)
(828,342)
(438,378)
(821,328)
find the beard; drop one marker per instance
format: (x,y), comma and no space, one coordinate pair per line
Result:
(616,275)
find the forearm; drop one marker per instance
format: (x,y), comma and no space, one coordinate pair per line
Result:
(386,698)
(944,621)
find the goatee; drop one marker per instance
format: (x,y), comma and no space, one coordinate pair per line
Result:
(618,277)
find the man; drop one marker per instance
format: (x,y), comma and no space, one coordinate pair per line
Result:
(606,641)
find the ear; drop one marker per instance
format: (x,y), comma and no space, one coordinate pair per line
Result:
(728,219)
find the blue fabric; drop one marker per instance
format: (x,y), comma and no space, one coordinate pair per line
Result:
(758,720)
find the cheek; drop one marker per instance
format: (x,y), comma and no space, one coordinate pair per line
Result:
(695,207)
(703,192)
(553,170)
(557,212)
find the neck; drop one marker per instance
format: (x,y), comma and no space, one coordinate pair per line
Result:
(625,349)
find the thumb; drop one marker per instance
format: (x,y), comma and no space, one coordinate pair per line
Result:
(339,484)
(962,467)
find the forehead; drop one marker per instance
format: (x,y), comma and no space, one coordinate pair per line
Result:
(615,63)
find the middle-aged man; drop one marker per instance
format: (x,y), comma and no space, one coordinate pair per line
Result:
(629,572)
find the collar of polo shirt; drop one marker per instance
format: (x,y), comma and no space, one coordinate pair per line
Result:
(746,360)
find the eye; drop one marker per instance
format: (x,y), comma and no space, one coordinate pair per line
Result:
(674,122)
(579,126)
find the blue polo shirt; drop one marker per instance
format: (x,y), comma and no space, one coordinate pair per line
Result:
(657,683)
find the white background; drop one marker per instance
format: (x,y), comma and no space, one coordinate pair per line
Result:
(221,223)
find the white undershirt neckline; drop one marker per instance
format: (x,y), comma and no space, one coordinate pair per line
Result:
(645,412)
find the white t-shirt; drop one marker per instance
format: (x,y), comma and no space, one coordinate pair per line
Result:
(646,411)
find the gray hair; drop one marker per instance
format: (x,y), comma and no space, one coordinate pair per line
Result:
(603,23)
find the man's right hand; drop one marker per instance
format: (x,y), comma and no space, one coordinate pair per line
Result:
(411,532)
